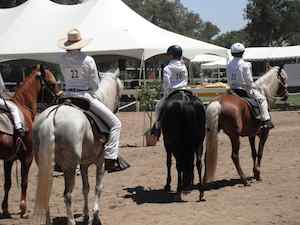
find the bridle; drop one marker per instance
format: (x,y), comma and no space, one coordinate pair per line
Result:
(46,87)
(282,86)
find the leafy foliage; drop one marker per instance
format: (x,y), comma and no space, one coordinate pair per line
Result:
(229,38)
(273,22)
(147,95)
(175,17)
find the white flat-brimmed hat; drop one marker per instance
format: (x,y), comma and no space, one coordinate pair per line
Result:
(73,41)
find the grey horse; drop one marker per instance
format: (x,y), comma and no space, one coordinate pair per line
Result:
(67,133)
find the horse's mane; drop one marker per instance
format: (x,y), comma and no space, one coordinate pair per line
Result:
(22,89)
(113,74)
(267,77)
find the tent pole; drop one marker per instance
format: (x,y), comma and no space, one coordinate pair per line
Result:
(141,69)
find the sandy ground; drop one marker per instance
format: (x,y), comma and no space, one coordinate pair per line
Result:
(135,196)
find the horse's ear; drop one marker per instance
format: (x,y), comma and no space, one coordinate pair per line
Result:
(280,69)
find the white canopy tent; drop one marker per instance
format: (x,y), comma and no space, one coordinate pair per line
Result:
(32,29)
(272,53)
(205,58)
(218,64)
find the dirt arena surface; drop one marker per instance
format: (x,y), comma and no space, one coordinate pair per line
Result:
(135,196)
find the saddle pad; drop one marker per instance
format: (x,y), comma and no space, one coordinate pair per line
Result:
(84,105)
(6,125)
(99,123)
(253,106)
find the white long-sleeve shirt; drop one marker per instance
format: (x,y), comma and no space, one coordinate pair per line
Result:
(2,85)
(175,75)
(79,71)
(239,74)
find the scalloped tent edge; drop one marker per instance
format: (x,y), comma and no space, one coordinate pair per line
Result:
(32,29)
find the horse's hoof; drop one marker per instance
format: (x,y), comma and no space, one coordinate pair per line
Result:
(201,197)
(167,188)
(23,209)
(86,219)
(178,197)
(96,221)
(71,222)
(6,215)
(246,183)
(256,174)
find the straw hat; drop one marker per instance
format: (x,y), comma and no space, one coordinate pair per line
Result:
(73,41)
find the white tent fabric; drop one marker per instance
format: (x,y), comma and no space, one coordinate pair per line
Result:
(272,53)
(32,29)
(205,58)
(218,64)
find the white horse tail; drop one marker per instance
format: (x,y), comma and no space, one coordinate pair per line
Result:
(212,122)
(45,146)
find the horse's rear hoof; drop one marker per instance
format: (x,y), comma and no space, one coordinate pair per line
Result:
(201,197)
(246,183)
(96,221)
(23,210)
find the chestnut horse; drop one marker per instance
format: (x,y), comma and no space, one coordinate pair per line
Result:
(41,84)
(233,115)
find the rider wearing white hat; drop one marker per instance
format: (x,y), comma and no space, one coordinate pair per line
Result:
(239,74)
(81,80)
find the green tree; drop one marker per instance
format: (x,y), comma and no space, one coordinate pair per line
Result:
(175,17)
(273,22)
(228,38)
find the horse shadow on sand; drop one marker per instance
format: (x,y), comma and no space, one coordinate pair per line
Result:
(63,220)
(141,195)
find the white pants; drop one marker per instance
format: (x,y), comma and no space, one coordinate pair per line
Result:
(158,107)
(14,112)
(263,104)
(103,112)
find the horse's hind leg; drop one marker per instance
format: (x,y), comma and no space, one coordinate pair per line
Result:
(69,176)
(98,190)
(199,168)
(235,142)
(25,165)
(85,190)
(169,164)
(7,185)
(254,157)
(263,138)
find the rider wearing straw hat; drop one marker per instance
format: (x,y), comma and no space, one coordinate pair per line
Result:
(81,80)
(239,75)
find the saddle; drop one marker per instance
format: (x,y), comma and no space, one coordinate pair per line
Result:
(253,104)
(84,105)
(188,93)
(6,121)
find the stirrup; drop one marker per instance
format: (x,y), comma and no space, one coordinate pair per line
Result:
(20,145)
(267,125)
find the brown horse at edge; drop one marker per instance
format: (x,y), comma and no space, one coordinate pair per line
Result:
(233,115)
(39,85)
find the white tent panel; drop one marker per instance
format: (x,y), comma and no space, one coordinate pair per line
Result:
(205,58)
(218,64)
(272,53)
(32,30)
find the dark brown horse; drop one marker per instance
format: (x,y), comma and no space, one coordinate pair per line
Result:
(183,127)
(233,115)
(40,84)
